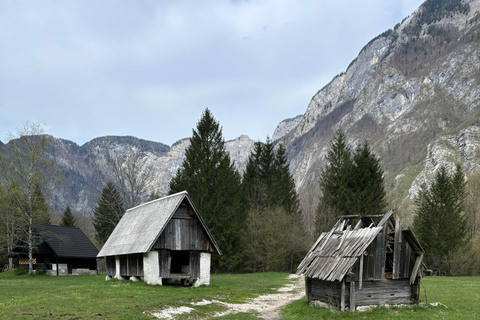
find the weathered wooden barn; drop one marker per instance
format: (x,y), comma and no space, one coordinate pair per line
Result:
(161,241)
(61,251)
(375,262)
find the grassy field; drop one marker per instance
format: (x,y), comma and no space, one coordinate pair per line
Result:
(90,297)
(460,295)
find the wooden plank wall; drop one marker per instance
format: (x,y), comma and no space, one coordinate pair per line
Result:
(124,265)
(111,266)
(131,265)
(327,291)
(373,292)
(164,263)
(384,292)
(195,265)
(183,234)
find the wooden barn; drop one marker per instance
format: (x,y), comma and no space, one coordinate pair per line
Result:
(364,260)
(62,251)
(161,241)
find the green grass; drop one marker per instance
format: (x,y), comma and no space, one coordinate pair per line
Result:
(91,297)
(461,295)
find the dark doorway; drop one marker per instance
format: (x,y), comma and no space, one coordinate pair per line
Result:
(180,262)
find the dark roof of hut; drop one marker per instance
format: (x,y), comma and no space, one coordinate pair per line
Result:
(335,252)
(140,227)
(66,242)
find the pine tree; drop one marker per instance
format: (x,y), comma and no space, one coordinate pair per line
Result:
(253,187)
(68,219)
(283,185)
(439,221)
(335,184)
(368,192)
(108,212)
(210,178)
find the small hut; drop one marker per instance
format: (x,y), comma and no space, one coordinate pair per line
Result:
(61,251)
(364,260)
(162,241)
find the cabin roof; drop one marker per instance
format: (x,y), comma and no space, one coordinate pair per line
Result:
(335,252)
(141,226)
(67,242)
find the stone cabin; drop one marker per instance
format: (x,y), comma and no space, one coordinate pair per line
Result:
(162,241)
(364,260)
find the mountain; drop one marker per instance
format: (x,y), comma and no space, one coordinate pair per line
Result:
(84,170)
(413,92)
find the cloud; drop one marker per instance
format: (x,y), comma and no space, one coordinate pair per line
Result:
(149,68)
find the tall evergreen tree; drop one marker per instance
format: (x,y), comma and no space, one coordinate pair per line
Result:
(210,178)
(253,187)
(68,219)
(283,185)
(335,184)
(108,212)
(439,221)
(368,192)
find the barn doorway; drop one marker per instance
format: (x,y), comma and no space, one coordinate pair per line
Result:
(180,262)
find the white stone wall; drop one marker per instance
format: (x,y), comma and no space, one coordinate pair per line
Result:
(117,268)
(205,258)
(151,268)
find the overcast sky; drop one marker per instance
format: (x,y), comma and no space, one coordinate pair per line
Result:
(149,68)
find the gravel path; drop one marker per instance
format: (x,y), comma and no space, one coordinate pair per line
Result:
(268,306)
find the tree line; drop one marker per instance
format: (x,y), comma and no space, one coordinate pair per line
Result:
(256,217)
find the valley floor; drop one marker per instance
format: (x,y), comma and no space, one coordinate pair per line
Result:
(239,296)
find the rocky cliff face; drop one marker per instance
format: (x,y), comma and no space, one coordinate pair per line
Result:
(411,92)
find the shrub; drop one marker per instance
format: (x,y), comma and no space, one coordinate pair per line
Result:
(41,271)
(21,270)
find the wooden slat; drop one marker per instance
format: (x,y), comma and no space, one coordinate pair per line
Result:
(416,267)
(397,249)
(342,296)
(360,277)
(352,296)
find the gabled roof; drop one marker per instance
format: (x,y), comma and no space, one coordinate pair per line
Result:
(67,242)
(336,252)
(140,227)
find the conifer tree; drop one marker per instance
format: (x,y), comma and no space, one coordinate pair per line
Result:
(253,187)
(68,219)
(283,185)
(108,212)
(439,221)
(210,178)
(368,192)
(335,184)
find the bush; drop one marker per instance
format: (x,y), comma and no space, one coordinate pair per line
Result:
(41,271)
(21,270)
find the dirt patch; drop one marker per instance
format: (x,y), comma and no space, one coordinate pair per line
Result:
(267,306)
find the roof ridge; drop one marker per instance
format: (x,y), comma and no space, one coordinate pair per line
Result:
(166,197)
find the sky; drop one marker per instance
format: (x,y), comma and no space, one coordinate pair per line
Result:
(149,68)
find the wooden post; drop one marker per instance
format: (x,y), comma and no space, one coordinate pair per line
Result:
(397,247)
(416,266)
(360,276)
(307,289)
(342,296)
(352,295)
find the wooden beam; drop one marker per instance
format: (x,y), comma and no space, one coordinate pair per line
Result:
(416,266)
(359,224)
(360,276)
(342,296)
(397,249)
(352,295)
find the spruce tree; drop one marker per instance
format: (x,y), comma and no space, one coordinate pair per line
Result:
(439,222)
(68,219)
(210,178)
(108,212)
(253,187)
(368,192)
(283,185)
(335,184)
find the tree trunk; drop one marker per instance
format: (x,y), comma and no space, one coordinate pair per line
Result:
(30,248)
